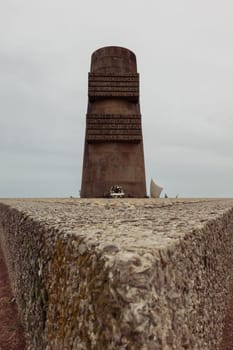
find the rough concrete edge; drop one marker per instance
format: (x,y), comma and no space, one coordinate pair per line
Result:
(164,258)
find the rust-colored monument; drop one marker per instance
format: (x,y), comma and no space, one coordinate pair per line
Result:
(113,153)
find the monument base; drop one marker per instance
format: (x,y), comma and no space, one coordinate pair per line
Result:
(111,164)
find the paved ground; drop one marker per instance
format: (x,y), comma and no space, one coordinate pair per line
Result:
(11,331)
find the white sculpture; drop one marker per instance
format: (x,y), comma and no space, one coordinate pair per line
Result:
(155,190)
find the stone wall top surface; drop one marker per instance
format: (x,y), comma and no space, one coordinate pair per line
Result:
(146,274)
(128,224)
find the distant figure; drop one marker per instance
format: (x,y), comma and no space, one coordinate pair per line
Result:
(165,196)
(116,191)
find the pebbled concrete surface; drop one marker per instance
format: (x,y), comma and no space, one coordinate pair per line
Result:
(122,274)
(12,333)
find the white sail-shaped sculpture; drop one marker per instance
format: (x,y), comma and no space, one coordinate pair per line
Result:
(155,190)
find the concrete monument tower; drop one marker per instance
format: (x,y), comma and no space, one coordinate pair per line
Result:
(113,151)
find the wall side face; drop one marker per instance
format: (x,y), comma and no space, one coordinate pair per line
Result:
(25,250)
(107,274)
(113,125)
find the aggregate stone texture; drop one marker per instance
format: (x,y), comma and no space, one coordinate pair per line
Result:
(122,274)
(11,331)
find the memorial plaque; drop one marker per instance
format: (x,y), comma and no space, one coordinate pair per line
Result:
(113,151)
(121,86)
(118,125)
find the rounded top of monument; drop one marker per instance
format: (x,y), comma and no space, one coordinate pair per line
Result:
(113,59)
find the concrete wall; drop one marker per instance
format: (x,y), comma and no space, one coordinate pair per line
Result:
(120,274)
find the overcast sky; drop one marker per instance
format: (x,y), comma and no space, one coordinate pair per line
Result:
(184,51)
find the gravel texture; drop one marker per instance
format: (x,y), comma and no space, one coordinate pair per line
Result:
(12,333)
(124,274)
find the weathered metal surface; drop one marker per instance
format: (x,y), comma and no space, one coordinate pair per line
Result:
(113,151)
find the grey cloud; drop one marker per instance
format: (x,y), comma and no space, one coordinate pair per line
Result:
(185,57)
